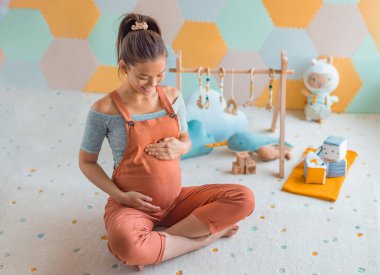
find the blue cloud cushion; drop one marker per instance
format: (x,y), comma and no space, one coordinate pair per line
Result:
(199,138)
(217,123)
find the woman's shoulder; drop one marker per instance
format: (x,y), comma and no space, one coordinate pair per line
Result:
(105,105)
(171,92)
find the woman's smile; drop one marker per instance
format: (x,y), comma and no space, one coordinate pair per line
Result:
(148,91)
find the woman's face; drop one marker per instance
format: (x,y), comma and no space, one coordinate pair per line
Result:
(144,77)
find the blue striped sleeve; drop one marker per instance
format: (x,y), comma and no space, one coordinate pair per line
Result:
(94,133)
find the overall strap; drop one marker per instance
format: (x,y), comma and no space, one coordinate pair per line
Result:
(121,107)
(165,101)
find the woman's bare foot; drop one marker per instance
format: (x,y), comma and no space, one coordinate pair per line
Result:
(226,232)
(232,231)
(179,245)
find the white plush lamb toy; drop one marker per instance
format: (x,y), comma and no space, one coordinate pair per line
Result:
(321,78)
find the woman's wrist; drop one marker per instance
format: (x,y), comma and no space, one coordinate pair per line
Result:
(116,193)
(185,147)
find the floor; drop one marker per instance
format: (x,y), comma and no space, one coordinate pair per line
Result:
(51,219)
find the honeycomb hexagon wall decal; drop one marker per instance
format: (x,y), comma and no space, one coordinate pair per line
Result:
(350,83)
(366,60)
(115,7)
(103,39)
(199,10)
(2,57)
(370,11)
(170,78)
(242,60)
(341,1)
(244,24)
(341,37)
(72,67)
(201,44)
(27,4)
(169,25)
(288,13)
(24,43)
(70,18)
(297,45)
(19,74)
(105,79)
(3,8)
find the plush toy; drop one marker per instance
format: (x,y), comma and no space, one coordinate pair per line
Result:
(199,138)
(264,145)
(321,79)
(218,123)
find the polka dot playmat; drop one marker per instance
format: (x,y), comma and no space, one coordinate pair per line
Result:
(51,219)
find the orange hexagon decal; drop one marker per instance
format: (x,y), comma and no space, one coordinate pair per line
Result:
(349,85)
(370,12)
(292,13)
(105,79)
(28,4)
(70,18)
(201,44)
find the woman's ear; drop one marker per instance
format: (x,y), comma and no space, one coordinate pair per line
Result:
(123,66)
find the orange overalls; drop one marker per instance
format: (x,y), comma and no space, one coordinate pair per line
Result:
(130,235)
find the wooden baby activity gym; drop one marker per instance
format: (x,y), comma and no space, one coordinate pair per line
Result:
(232,105)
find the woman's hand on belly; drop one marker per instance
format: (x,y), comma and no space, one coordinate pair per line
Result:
(167,149)
(138,201)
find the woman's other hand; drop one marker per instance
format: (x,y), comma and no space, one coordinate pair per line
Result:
(138,201)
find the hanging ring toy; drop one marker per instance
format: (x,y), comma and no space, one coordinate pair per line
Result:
(270,87)
(251,100)
(207,101)
(200,99)
(232,101)
(222,73)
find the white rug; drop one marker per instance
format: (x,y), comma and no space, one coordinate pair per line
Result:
(51,217)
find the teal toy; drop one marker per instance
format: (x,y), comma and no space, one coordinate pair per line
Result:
(247,141)
(199,138)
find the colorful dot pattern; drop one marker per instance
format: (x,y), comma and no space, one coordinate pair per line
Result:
(49,210)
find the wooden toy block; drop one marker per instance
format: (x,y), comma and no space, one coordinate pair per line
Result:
(242,157)
(250,167)
(334,149)
(237,169)
(244,164)
(336,169)
(315,169)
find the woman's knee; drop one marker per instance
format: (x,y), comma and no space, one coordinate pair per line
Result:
(246,200)
(136,247)
(122,245)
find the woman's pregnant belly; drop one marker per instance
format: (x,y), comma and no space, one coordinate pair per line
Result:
(162,190)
